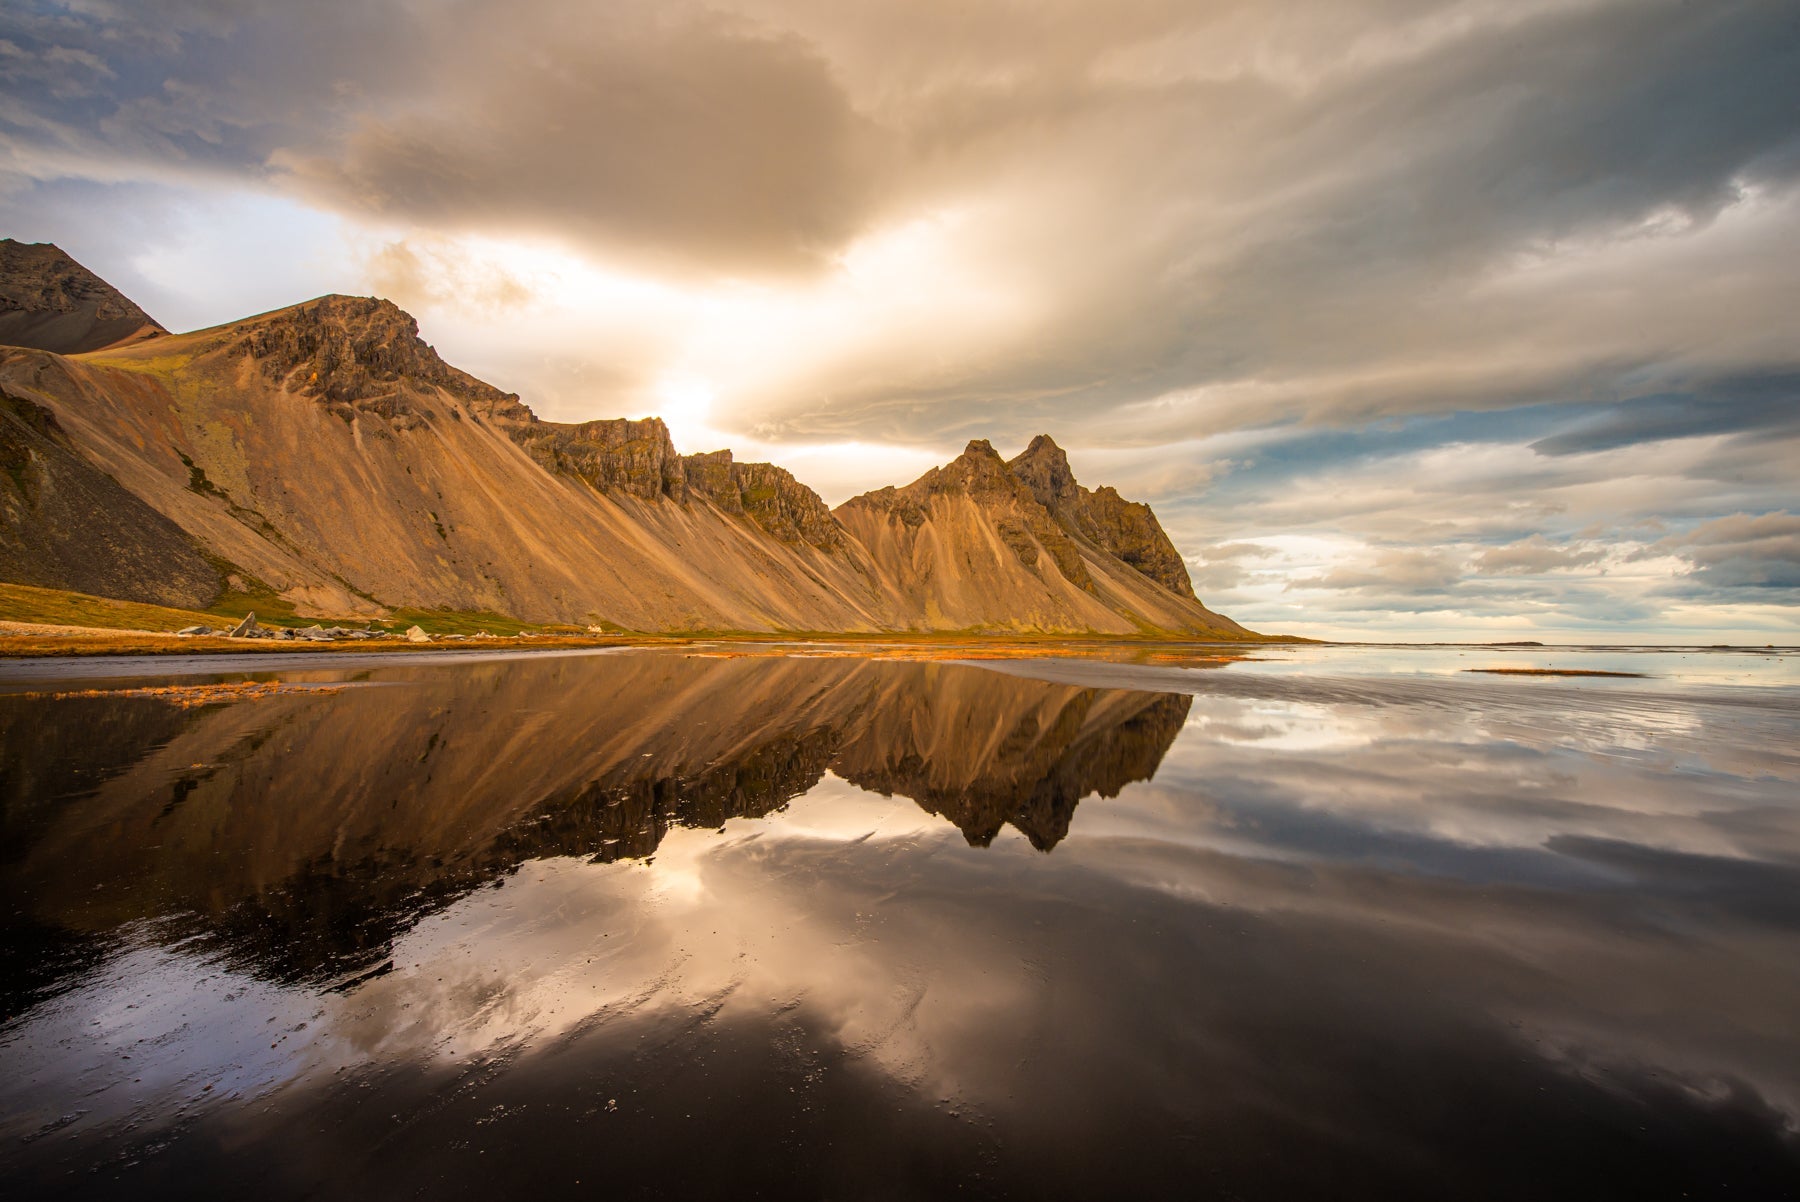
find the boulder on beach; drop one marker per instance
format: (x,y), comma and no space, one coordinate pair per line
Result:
(416,635)
(247,629)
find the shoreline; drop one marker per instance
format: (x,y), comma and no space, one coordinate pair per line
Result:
(64,642)
(97,642)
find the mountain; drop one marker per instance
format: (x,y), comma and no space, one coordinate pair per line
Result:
(49,301)
(973,545)
(64,523)
(326,454)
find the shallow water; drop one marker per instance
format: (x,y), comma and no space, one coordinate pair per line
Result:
(1323,922)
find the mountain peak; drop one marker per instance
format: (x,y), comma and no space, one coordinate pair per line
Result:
(354,348)
(370,307)
(1045,470)
(50,302)
(1127,529)
(987,543)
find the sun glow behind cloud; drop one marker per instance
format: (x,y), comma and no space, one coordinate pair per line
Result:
(685,405)
(579,339)
(752,340)
(724,362)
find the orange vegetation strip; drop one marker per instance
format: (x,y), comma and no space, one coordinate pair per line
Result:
(1552,672)
(189,695)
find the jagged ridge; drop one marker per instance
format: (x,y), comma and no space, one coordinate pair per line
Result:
(766,495)
(357,352)
(982,543)
(1127,529)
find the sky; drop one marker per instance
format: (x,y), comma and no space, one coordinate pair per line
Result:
(1471,319)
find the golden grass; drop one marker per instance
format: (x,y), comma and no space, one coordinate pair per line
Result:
(55,607)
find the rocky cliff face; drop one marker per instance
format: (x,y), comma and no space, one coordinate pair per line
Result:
(328,452)
(51,302)
(1125,529)
(1022,525)
(638,458)
(358,353)
(980,476)
(634,458)
(767,496)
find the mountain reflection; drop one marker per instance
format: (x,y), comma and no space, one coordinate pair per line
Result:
(300,835)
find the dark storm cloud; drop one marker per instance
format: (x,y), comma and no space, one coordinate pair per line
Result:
(167,90)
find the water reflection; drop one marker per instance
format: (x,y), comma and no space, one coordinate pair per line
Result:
(1335,935)
(299,835)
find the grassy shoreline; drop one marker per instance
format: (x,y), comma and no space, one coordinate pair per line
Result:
(90,626)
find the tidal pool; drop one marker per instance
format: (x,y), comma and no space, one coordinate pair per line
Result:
(801,922)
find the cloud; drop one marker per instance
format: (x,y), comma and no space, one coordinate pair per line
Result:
(417,274)
(1173,184)
(695,141)
(1367,525)
(1731,406)
(1220,567)
(673,136)
(1395,571)
(1235,551)
(1534,556)
(1742,551)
